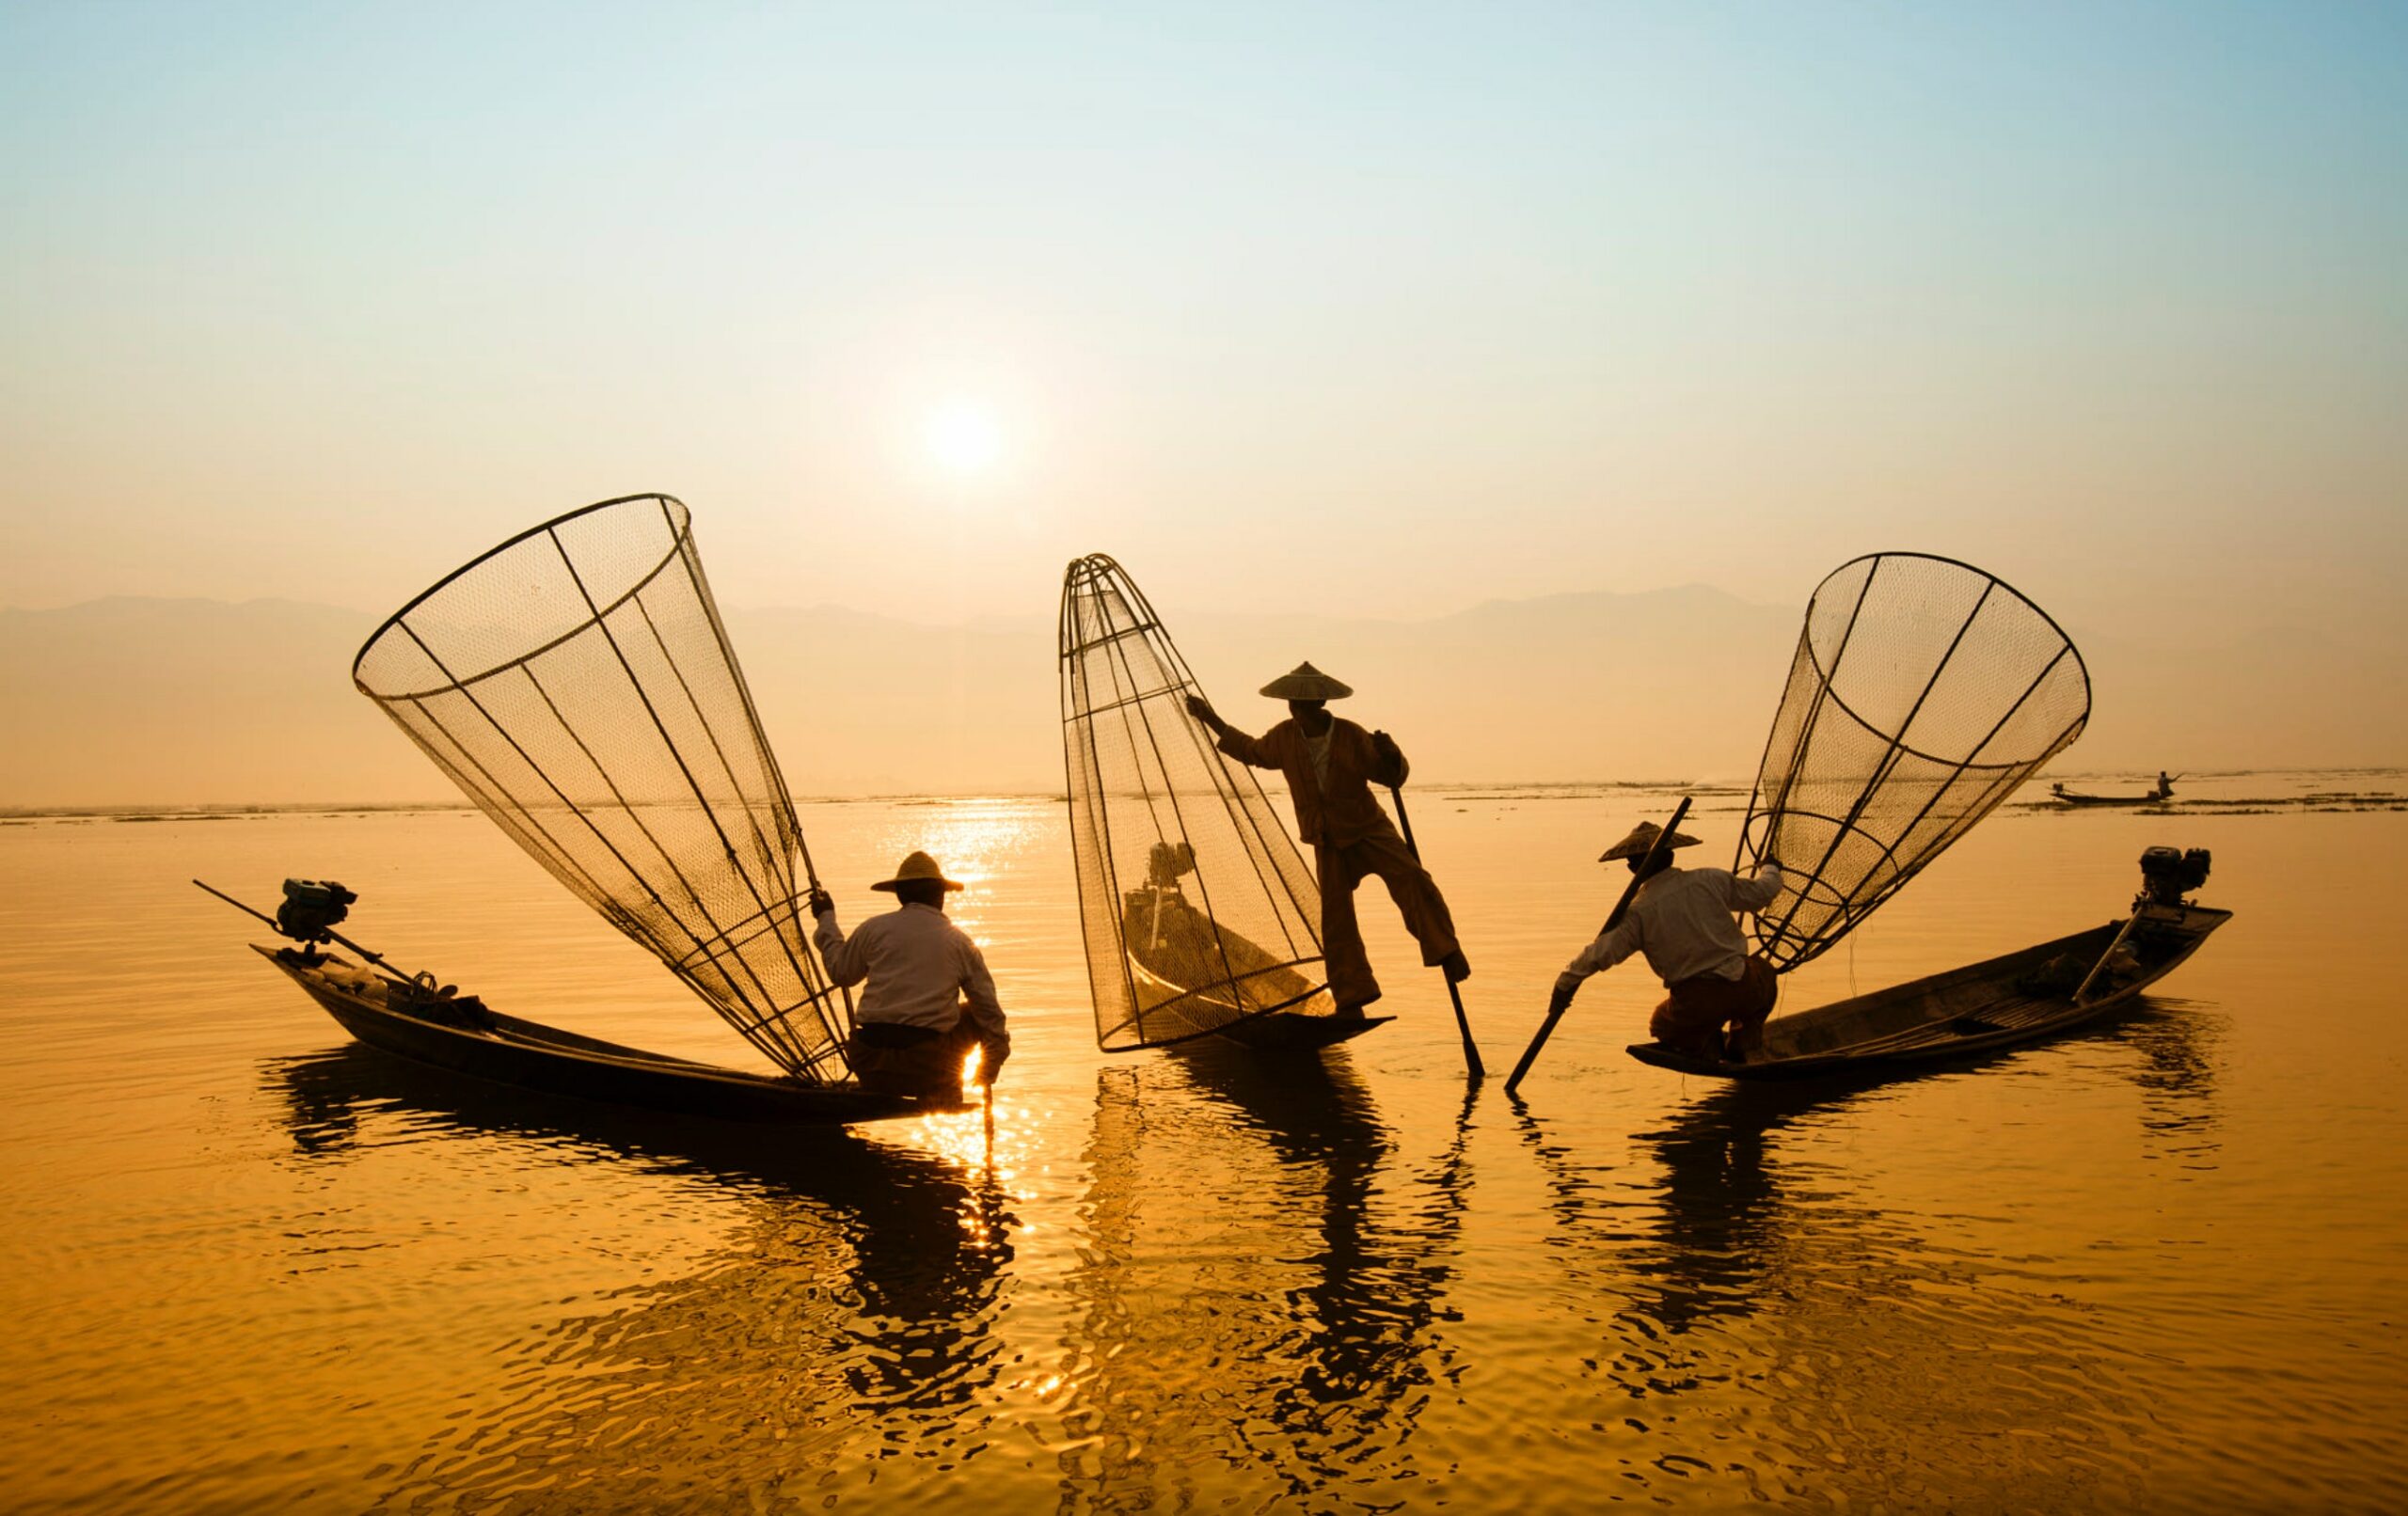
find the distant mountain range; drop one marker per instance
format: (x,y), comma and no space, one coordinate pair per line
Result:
(129,701)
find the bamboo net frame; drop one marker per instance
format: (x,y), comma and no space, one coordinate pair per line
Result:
(576,683)
(1179,944)
(1922,693)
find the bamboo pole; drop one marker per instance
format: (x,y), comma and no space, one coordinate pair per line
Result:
(1622,908)
(1473,1066)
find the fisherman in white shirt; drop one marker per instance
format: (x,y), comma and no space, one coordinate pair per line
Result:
(1686,922)
(931,999)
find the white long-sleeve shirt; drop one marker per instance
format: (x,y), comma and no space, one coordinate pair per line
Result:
(923,971)
(1686,922)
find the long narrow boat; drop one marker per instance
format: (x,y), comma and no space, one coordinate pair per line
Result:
(2159,796)
(2022,997)
(461,1034)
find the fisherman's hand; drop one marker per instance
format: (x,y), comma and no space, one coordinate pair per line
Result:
(820,901)
(991,1061)
(1200,708)
(1566,985)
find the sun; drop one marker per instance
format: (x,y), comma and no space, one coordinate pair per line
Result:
(963,437)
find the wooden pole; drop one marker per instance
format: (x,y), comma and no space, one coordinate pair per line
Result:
(2100,967)
(1473,1066)
(391,973)
(1621,907)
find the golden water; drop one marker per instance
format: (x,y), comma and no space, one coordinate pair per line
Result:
(2155,1265)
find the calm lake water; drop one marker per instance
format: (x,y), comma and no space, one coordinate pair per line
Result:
(2157,1265)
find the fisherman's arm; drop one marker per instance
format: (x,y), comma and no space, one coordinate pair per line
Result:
(1760,892)
(843,959)
(985,1011)
(1608,950)
(1388,760)
(1245,750)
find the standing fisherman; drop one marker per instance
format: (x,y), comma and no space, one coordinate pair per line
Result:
(1686,922)
(1330,766)
(931,999)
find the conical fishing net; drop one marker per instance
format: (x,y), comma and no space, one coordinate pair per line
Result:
(1922,693)
(1198,910)
(576,684)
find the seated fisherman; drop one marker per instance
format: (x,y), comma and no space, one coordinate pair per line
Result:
(929,999)
(1330,766)
(1686,922)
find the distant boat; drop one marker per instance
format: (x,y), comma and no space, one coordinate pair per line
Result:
(2022,997)
(2163,792)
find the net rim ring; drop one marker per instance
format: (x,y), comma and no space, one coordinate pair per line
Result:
(685,517)
(1813,654)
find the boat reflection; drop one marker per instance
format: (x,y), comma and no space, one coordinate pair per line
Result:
(1741,1233)
(858,1284)
(1263,1286)
(1722,1215)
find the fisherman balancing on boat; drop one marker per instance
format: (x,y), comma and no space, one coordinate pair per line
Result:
(1331,765)
(931,999)
(1686,922)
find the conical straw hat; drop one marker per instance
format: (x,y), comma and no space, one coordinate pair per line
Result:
(1305,681)
(917,867)
(1641,838)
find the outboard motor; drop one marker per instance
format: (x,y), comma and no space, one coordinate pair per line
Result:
(312,908)
(1166,861)
(2169,874)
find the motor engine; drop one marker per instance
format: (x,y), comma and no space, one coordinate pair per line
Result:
(2168,874)
(311,909)
(1166,861)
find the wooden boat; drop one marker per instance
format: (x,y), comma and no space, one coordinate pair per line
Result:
(461,1034)
(1247,997)
(2163,792)
(2022,997)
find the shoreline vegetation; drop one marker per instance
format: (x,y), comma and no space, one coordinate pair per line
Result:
(2328,797)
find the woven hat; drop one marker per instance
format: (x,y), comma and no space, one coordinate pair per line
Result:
(917,867)
(1305,681)
(1641,838)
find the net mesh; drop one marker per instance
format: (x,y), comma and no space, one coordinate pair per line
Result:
(1199,912)
(1922,693)
(576,684)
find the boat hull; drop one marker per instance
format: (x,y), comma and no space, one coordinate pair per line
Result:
(1291,1031)
(2021,997)
(505,1050)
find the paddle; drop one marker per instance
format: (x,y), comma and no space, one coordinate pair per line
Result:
(1621,907)
(1472,1064)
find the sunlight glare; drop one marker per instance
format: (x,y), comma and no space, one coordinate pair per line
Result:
(964,437)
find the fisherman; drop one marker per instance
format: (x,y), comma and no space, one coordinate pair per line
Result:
(1331,765)
(929,999)
(1686,922)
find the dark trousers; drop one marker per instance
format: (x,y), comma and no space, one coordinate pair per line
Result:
(1695,1012)
(915,1060)
(1416,897)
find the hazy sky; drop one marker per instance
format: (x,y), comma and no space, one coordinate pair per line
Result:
(1385,310)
